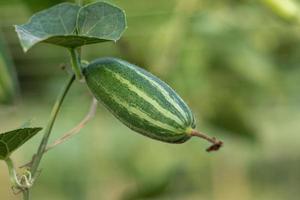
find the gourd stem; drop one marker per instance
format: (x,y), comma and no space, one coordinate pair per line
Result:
(76,66)
(53,115)
(216,144)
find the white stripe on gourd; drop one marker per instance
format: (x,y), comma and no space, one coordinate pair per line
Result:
(166,94)
(137,112)
(144,116)
(146,97)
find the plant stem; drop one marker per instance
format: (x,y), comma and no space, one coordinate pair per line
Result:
(76,66)
(55,110)
(68,135)
(216,144)
(77,128)
(79,2)
(26,194)
(14,178)
(12,172)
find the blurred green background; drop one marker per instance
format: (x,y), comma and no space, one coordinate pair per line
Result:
(235,62)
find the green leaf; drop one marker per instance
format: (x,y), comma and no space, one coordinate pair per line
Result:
(12,140)
(102,21)
(70,25)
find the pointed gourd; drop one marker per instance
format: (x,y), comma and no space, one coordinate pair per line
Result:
(141,101)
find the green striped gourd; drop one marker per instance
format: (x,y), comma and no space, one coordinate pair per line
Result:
(140,100)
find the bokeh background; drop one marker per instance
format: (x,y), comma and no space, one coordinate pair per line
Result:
(235,62)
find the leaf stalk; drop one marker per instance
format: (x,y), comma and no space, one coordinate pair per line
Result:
(16,183)
(75,63)
(12,172)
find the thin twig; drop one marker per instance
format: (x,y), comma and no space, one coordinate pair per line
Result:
(76,65)
(77,128)
(37,159)
(79,2)
(216,144)
(70,133)
(26,194)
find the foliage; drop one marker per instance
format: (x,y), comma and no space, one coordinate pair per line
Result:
(72,26)
(12,140)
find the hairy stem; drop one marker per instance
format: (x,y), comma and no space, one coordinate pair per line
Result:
(76,66)
(216,144)
(44,142)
